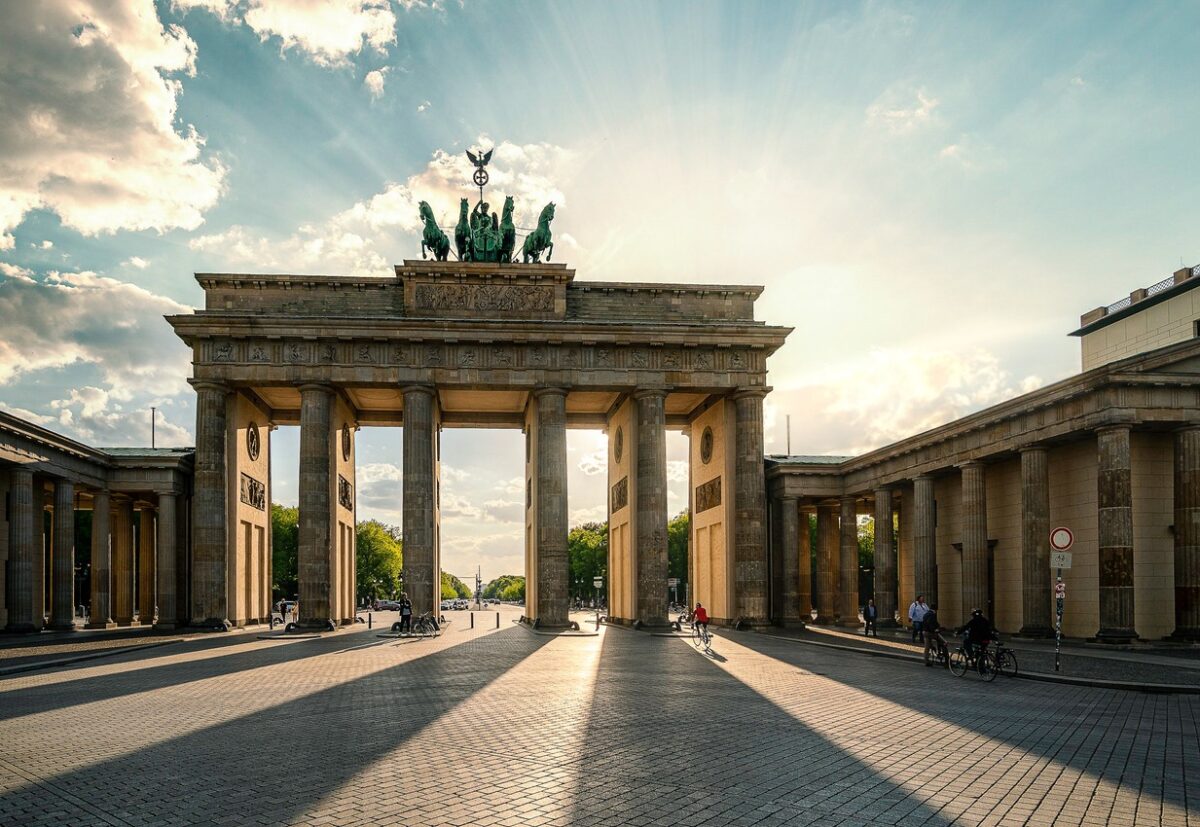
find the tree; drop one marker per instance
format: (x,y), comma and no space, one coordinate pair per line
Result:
(285,549)
(587,557)
(378,560)
(506,587)
(677,549)
(453,588)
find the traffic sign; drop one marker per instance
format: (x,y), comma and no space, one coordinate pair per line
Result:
(1060,589)
(598,582)
(1061,539)
(1060,559)
(672,581)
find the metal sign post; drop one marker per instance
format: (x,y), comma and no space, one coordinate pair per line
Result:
(597,584)
(1061,540)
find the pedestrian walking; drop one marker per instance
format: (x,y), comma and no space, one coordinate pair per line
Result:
(870,615)
(916,614)
(405,614)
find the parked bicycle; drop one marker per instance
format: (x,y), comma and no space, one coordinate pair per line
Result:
(981,659)
(1006,659)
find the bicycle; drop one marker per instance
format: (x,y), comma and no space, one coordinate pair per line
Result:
(425,625)
(701,637)
(1006,660)
(942,653)
(982,660)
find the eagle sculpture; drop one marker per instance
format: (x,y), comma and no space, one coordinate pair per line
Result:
(478,161)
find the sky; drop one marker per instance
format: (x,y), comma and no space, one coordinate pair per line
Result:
(930,193)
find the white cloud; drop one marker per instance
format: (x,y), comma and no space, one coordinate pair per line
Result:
(368,236)
(897,112)
(374,82)
(138,262)
(45,245)
(88,128)
(69,318)
(594,463)
(328,32)
(423,106)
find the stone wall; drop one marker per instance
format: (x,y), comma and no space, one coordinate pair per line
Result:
(1073,503)
(713,510)
(1153,467)
(1004,526)
(1165,323)
(622,504)
(248,489)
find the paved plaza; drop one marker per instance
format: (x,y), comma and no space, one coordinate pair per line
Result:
(507,727)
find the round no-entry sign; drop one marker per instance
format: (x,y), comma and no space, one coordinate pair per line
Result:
(1061,538)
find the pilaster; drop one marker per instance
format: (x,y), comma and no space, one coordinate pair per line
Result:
(62,610)
(1036,594)
(885,559)
(651,496)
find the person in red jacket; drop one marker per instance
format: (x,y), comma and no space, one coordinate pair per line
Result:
(700,617)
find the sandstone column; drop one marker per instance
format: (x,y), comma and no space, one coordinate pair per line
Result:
(974,540)
(122,562)
(789,544)
(147,607)
(804,597)
(651,507)
(21,535)
(1187,533)
(315,531)
(847,605)
(924,542)
(553,586)
(210,526)
(62,612)
(1116,535)
(885,559)
(1036,593)
(827,568)
(750,510)
(422,581)
(100,608)
(165,567)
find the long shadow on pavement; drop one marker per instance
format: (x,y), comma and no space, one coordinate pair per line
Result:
(274,764)
(690,744)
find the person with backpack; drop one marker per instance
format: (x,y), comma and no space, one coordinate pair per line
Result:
(916,613)
(405,614)
(935,644)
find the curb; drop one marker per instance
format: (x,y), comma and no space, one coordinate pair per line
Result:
(560,633)
(1126,686)
(46,664)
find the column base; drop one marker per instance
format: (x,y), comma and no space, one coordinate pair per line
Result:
(1037,632)
(68,626)
(101,624)
(1115,636)
(314,626)
(21,628)
(166,626)
(128,624)
(211,624)
(1184,635)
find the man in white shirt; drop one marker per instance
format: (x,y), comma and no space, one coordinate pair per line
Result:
(916,613)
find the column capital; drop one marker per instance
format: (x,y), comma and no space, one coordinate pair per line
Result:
(1114,427)
(787,499)
(646,393)
(747,393)
(1187,427)
(971,463)
(540,392)
(209,385)
(312,387)
(428,390)
(1033,448)
(884,489)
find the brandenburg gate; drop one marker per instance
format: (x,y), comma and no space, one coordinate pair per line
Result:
(446,344)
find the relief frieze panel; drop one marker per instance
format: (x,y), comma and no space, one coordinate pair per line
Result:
(484,298)
(620,495)
(253,492)
(708,495)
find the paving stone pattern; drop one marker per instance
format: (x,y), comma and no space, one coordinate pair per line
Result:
(484,727)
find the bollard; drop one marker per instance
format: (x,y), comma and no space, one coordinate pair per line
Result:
(472,620)
(497,620)
(368,620)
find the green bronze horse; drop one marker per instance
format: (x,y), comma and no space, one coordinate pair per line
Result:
(508,231)
(540,239)
(462,234)
(433,239)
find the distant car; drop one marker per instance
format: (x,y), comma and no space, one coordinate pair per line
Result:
(387,606)
(445,606)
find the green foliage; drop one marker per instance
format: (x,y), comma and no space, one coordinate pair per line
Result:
(587,557)
(866,543)
(285,547)
(677,549)
(453,588)
(506,587)
(379,559)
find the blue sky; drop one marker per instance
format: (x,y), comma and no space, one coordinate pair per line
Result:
(931,193)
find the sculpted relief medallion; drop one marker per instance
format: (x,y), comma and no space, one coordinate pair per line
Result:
(253,441)
(618,444)
(706,446)
(346,442)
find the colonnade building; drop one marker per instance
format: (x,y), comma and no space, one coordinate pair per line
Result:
(962,512)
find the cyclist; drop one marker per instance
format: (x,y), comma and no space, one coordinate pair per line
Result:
(978,633)
(700,618)
(935,644)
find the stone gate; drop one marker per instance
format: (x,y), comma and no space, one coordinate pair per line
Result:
(454,345)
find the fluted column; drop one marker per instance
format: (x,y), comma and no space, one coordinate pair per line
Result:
(885,559)
(165,566)
(651,507)
(827,567)
(750,507)
(147,607)
(553,586)
(19,584)
(122,565)
(974,539)
(1036,594)
(1187,533)
(804,595)
(847,604)
(1115,493)
(924,540)
(210,526)
(789,558)
(421,577)
(315,531)
(62,610)
(100,608)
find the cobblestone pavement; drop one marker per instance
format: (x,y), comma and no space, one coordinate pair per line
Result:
(487,727)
